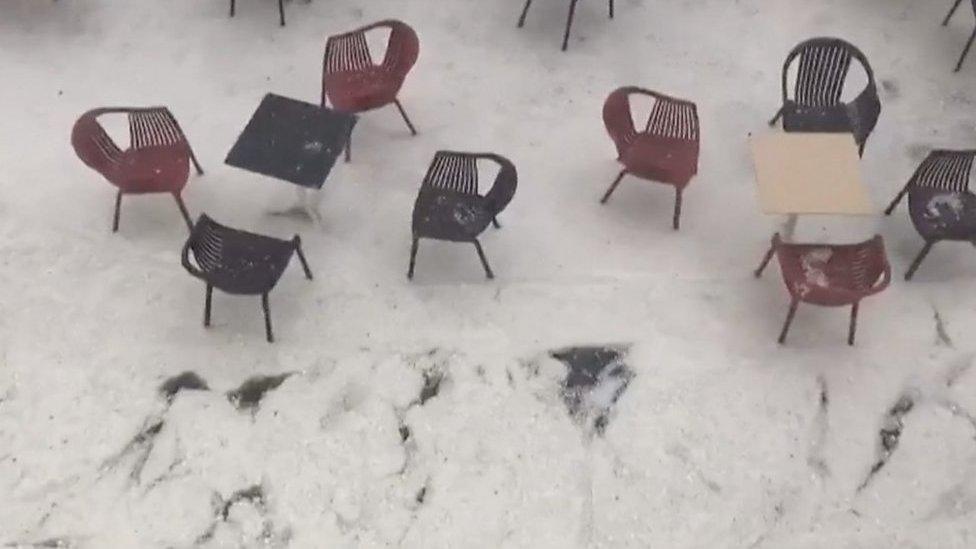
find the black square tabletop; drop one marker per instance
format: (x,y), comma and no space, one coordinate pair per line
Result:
(292,140)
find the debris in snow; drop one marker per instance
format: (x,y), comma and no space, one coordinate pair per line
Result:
(248,396)
(597,378)
(187,381)
(890,434)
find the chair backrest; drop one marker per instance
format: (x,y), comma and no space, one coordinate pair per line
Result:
(824,64)
(945,170)
(670,117)
(854,268)
(93,145)
(206,242)
(153,127)
(458,172)
(349,52)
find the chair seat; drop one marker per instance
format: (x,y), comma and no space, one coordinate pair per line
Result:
(663,159)
(363,90)
(448,215)
(803,118)
(943,215)
(827,277)
(249,264)
(152,170)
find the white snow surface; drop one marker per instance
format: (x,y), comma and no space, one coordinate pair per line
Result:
(722,438)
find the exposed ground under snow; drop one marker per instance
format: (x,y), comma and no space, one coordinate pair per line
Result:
(433,413)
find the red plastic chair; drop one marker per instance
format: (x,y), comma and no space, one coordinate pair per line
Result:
(157,160)
(832,275)
(353,83)
(666,150)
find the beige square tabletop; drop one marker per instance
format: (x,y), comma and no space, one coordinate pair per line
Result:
(809,173)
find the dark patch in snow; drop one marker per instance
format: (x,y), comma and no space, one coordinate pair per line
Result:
(187,381)
(432,385)
(248,396)
(404,432)
(596,379)
(141,446)
(815,457)
(890,434)
(421,495)
(891,87)
(941,334)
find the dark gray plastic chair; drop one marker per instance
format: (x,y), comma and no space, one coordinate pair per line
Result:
(939,201)
(450,207)
(569,21)
(816,104)
(239,262)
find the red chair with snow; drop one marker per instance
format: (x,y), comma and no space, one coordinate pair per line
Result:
(156,161)
(832,275)
(666,150)
(352,83)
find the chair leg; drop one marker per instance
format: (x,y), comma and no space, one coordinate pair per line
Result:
(301,257)
(281,11)
(193,158)
(853,328)
(349,145)
(776,117)
(894,203)
(118,210)
(494,221)
(184,211)
(611,9)
(484,260)
(766,259)
(794,304)
(569,23)
(965,51)
(267,318)
(676,222)
(232,3)
(613,187)
(918,260)
(413,257)
(403,113)
(206,306)
(948,16)
(525,11)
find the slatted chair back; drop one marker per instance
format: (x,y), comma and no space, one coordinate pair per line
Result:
(154,127)
(349,52)
(823,67)
(945,170)
(670,118)
(452,171)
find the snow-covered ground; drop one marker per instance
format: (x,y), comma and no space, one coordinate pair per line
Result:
(442,412)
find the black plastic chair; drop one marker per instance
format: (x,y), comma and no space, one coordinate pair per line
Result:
(239,262)
(816,105)
(939,201)
(449,206)
(569,21)
(969,43)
